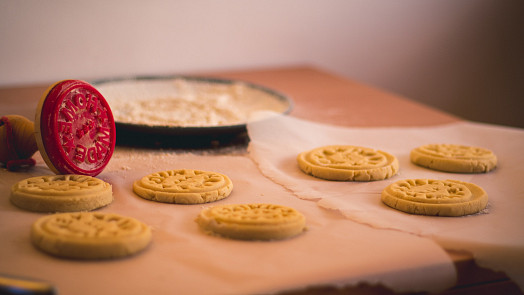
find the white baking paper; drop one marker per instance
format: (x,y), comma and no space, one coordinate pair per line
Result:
(495,237)
(333,251)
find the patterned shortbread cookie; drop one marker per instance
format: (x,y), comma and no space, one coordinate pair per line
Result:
(348,163)
(435,197)
(252,221)
(184,186)
(454,158)
(61,193)
(90,235)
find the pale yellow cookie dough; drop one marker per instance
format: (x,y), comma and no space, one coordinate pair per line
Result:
(184,186)
(348,163)
(90,235)
(252,221)
(454,158)
(61,193)
(435,197)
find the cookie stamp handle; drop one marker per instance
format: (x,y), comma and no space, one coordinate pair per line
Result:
(74,130)
(17,142)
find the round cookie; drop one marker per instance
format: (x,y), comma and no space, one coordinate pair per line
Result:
(61,193)
(90,235)
(435,197)
(348,163)
(184,186)
(454,158)
(252,221)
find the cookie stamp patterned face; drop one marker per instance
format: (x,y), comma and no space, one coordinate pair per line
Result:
(252,221)
(454,158)
(61,193)
(435,197)
(74,128)
(348,163)
(90,235)
(184,186)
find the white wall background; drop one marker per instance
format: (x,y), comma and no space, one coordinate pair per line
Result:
(463,56)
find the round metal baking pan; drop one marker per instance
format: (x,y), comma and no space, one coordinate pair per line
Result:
(159,135)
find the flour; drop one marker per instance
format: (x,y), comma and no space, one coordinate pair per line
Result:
(188,103)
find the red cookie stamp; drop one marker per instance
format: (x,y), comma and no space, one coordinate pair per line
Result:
(75,129)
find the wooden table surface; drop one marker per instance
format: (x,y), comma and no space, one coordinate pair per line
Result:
(327,98)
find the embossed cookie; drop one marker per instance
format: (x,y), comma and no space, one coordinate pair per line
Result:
(184,186)
(348,163)
(435,197)
(252,221)
(454,158)
(61,193)
(90,235)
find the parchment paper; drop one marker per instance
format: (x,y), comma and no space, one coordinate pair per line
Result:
(495,237)
(183,260)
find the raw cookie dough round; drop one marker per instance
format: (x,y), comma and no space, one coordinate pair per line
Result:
(184,186)
(454,158)
(252,221)
(90,235)
(348,163)
(61,193)
(435,197)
